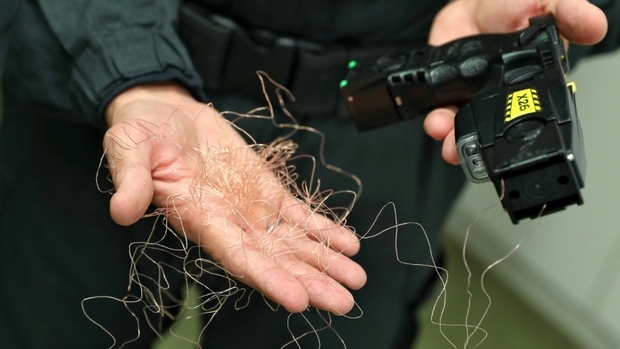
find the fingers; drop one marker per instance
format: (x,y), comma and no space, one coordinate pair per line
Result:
(440,122)
(448,150)
(268,277)
(444,28)
(320,256)
(324,293)
(319,290)
(579,21)
(295,284)
(281,265)
(320,271)
(439,125)
(323,229)
(319,242)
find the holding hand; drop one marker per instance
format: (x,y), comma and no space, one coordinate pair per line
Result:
(577,20)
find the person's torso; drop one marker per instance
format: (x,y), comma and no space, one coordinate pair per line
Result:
(354,22)
(38,69)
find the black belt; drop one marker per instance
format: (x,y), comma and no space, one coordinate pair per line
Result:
(227,58)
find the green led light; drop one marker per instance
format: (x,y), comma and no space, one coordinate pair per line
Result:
(343,83)
(352,64)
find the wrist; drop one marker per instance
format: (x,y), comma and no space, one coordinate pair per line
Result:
(170,93)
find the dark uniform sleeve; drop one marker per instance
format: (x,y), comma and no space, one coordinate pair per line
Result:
(116,44)
(7,14)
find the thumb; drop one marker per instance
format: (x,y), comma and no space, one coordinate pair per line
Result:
(580,22)
(131,175)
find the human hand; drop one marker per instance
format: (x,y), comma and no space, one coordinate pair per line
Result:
(577,20)
(156,137)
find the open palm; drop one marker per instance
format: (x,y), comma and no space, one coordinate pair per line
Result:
(183,156)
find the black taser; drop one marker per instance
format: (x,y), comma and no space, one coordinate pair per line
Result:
(517,125)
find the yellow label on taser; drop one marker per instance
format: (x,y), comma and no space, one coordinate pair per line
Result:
(521,103)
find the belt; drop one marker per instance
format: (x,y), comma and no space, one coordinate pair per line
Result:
(227,57)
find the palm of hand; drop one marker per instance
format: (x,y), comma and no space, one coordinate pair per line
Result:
(223,196)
